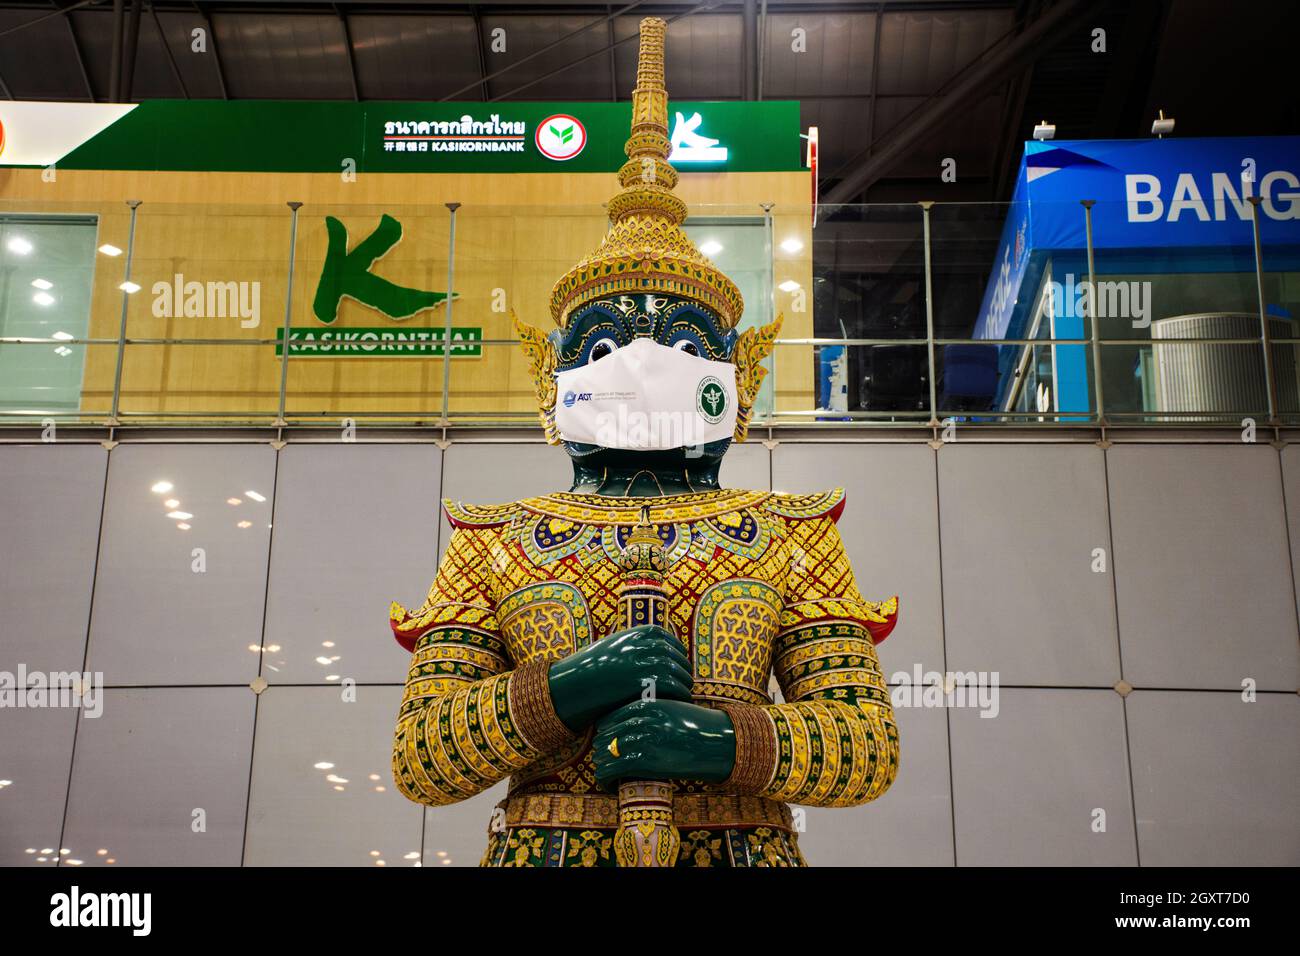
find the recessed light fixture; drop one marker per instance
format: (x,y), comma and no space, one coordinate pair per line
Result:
(43,298)
(180,515)
(234,501)
(19,245)
(63,336)
(43,283)
(161,487)
(244,524)
(62,350)
(184,526)
(710,247)
(172,503)
(129,287)
(254,495)
(109,249)
(789,285)
(792,245)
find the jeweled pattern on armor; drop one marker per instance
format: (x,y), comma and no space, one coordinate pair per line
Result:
(503,601)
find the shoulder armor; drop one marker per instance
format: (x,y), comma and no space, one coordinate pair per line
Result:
(461,515)
(818,504)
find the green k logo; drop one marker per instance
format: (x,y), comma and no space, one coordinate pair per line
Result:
(348,274)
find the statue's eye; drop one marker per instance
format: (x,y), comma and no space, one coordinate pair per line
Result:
(687,346)
(601,349)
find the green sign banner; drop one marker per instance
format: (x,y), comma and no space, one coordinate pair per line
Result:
(466,342)
(414,137)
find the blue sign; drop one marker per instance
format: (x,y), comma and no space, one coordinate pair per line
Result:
(1150,196)
(1159,206)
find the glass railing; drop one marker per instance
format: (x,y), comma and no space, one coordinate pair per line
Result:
(893,314)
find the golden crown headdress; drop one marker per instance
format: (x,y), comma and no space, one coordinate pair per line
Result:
(645,249)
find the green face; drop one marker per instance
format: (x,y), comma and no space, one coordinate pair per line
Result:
(600,327)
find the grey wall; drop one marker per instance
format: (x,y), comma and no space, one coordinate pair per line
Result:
(992,547)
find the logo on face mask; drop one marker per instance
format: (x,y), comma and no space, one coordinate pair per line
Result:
(711,400)
(646,396)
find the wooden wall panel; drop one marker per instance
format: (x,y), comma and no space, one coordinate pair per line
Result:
(516,234)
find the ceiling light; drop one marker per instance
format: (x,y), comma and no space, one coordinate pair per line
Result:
(19,245)
(234,501)
(43,283)
(792,245)
(161,487)
(1162,126)
(184,526)
(109,249)
(324,765)
(1045,131)
(710,247)
(180,515)
(172,503)
(43,298)
(63,351)
(63,336)
(254,495)
(244,524)
(129,287)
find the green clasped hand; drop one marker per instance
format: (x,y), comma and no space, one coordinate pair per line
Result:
(635,685)
(664,740)
(616,670)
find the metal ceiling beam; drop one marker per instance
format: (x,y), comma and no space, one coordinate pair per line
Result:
(36,20)
(613,66)
(167,50)
(347,46)
(115,56)
(749,50)
(1016,54)
(708,4)
(76,50)
(482,54)
(537,53)
(212,48)
(132,47)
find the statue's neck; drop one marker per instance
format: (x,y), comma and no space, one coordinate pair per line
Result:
(640,480)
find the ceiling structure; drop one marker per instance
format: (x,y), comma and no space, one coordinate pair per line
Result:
(894,87)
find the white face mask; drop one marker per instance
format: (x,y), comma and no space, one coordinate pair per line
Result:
(646,396)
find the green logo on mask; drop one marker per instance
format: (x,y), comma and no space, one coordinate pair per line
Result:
(711,400)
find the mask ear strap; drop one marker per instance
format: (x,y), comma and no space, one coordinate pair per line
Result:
(754,345)
(542,359)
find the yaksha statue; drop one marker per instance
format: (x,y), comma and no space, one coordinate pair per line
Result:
(611,648)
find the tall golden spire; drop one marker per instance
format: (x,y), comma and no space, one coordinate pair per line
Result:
(645,249)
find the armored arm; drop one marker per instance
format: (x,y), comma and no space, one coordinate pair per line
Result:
(468,717)
(834,742)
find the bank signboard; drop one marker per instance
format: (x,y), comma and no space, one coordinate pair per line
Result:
(399,137)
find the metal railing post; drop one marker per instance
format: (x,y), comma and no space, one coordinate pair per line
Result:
(1093,332)
(1264,337)
(121,332)
(929,314)
(286,342)
(446,337)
